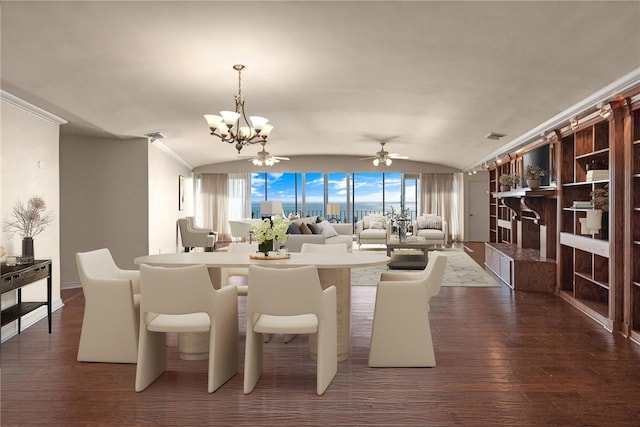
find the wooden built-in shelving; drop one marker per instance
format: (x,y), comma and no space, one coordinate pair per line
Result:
(596,270)
(632,225)
(584,261)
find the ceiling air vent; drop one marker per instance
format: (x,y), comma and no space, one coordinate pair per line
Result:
(495,136)
(154,136)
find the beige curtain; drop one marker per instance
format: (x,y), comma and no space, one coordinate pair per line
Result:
(440,195)
(212,203)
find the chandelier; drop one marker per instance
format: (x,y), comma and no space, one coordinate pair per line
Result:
(234,127)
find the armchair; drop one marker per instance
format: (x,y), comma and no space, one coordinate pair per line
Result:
(196,237)
(374,228)
(111,312)
(401,334)
(432,228)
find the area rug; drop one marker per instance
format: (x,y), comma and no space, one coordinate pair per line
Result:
(461,270)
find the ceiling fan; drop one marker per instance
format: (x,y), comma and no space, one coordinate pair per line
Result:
(383,157)
(264,158)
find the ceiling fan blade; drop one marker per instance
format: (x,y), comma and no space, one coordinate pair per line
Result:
(280,158)
(369,158)
(398,156)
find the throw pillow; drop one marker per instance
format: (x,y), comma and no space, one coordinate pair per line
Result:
(293,229)
(433,223)
(327,229)
(304,229)
(371,219)
(378,223)
(315,228)
(320,219)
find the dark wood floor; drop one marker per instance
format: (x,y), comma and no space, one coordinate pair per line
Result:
(504,358)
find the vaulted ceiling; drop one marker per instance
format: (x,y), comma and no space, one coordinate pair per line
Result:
(329,75)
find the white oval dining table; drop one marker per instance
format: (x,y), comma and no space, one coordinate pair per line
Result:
(333,269)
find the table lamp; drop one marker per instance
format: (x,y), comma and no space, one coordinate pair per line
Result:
(333,209)
(270,208)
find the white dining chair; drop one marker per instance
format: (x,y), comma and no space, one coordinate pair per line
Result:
(401,333)
(111,309)
(290,301)
(242,249)
(179,300)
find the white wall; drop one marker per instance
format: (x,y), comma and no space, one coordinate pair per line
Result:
(163,200)
(118,194)
(104,200)
(29,167)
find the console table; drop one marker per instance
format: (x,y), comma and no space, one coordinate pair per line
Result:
(15,278)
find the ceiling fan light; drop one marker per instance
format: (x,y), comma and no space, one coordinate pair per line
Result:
(376,162)
(257,162)
(258,122)
(266,130)
(388,162)
(230,117)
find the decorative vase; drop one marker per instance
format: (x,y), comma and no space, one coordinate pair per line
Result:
(533,183)
(27,250)
(594,220)
(505,188)
(402,231)
(265,247)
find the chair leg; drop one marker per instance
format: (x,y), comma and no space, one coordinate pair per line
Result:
(223,344)
(252,359)
(152,358)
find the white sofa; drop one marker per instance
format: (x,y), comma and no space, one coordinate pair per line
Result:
(329,234)
(373,228)
(432,228)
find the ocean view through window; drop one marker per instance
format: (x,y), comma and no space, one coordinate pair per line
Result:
(307,194)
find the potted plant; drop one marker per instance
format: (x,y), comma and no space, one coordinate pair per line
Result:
(506,181)
(28,220)
(598,218)
(533,174)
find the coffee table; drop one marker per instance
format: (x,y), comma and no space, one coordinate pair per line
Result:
(408,255)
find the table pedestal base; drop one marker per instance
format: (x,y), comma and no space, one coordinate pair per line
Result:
(341,279)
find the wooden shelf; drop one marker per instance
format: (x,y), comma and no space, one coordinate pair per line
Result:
(590,279)
(599,153)
(572,184)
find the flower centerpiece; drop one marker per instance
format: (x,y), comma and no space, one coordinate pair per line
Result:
(533,174)
(28,220)
(268,230)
